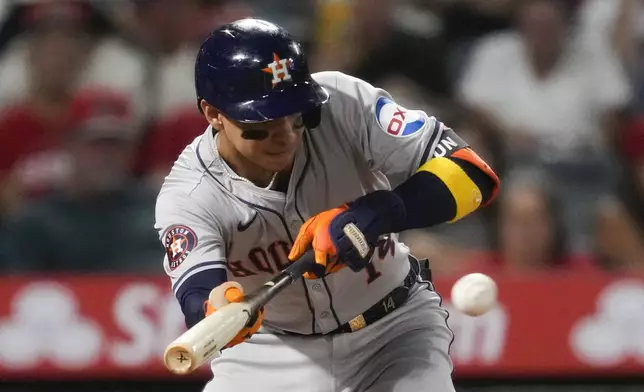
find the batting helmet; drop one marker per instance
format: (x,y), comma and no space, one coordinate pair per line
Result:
(255,71)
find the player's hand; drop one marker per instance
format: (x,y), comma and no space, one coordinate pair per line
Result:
(224,294)
(347,235)
(314,233)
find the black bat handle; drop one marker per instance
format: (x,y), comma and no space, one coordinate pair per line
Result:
(304,264)
(289,275)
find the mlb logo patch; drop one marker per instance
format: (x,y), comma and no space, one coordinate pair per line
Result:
(397,121)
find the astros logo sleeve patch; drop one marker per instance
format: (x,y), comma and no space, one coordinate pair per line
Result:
(179,241)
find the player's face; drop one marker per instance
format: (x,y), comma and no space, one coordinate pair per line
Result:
(270,145)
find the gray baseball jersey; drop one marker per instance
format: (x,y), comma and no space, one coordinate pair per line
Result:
(209,219)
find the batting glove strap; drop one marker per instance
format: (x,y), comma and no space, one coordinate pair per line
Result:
(355,231)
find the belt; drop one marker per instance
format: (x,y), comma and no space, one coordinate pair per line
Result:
(392,301)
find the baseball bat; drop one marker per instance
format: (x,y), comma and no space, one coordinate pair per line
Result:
(201,342)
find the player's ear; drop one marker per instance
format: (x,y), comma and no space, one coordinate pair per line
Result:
(213,116)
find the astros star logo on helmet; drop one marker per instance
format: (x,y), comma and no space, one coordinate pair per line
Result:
(279,68)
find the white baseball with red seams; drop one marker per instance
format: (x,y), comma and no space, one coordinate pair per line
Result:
(474,294)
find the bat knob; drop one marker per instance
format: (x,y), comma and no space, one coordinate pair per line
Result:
(178,360)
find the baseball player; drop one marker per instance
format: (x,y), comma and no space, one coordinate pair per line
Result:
(292,161)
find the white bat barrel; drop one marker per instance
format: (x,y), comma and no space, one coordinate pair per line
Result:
(201,342)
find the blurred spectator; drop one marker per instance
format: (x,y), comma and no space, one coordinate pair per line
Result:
(618,27)
(632,39)
(31,128)
(63,30)
(167,139)
(611,26)
(99,220)
(554,99)
(531,236)
(150,60)
(32,162)
(149,56)
(620,224)
(152,57)
(385,42)
(638,69)
(465,21)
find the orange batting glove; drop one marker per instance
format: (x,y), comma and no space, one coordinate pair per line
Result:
(224,294)
(315,233)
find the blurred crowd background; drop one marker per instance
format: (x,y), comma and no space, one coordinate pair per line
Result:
(97,100)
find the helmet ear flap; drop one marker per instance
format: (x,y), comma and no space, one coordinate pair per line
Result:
(312,118)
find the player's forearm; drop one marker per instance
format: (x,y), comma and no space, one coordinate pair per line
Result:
(193,294)
(192,306)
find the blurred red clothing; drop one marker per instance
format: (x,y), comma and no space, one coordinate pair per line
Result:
(28,148)
(168,138)
(30,145)
(632,142)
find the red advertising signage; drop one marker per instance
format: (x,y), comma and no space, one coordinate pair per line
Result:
(116,327)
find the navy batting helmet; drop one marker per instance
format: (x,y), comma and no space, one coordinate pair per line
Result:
(255,71)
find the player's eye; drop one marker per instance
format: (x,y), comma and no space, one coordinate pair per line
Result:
(299,122)
(254,134)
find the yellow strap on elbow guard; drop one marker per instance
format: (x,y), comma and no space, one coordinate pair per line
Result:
(465,192)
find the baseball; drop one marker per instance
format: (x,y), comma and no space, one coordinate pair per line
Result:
(474,294)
